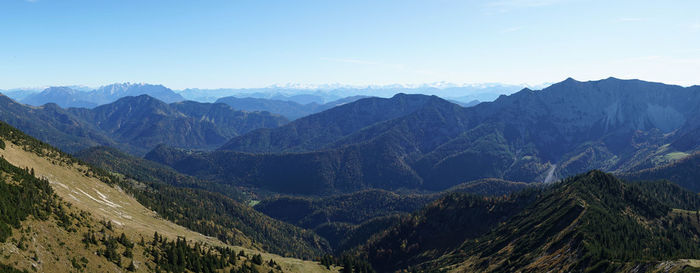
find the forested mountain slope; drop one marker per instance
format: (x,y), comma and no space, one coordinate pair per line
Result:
(684,172)
(319,130)
(422,142)
(283,106)
(135,124)
(202,206)
(79,226)
(591,222)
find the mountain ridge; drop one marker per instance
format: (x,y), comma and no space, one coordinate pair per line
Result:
(66,96)
(567,128)
(288,108)
(579,224)
(135,124)
(117,202)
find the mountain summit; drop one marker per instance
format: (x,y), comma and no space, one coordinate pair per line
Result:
(418,141)
(68,97)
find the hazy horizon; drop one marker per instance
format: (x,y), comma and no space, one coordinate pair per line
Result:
(240,44)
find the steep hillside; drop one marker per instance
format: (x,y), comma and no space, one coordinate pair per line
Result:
(328,172)
(199,205)
(135,124)
(490,187)
(348,220)
(317,131)
(143,170)
(360,160)
(684,172)
(40,232)
(423,142)
(229,120)
(361,206)
(143,122)
(52,124)
(439,228)
(290,109)
(95,206)
(352,208)
(591,222)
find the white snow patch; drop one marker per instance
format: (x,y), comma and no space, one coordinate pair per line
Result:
(74,198)
(58,183)
(104,200)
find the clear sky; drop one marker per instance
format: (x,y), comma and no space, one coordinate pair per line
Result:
(257,43)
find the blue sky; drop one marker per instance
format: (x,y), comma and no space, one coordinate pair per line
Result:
(257,43)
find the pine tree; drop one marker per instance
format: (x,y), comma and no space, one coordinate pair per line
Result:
(257,259)
(155,238)
(347,266)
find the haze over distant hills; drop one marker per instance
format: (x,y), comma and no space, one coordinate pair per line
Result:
(424,142)
(135,124)
(407,141)
(321,94)
(287,108)
(80,97)
(409,183)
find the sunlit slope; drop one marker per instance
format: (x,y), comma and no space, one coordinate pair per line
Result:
(90,194)
(50,246)
(592,222)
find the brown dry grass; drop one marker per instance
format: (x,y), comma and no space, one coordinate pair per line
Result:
(107,203)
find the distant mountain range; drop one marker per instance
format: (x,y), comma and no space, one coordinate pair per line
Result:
(291,102)
(72,97)
(407,141)
(322,94)
(411,183)
(82,96)
(287,108)
(424,142)
(135,124)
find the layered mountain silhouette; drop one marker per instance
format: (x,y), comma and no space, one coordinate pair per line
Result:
(322,94)
(588,223)
(315,132)
(63,96)
(285,107)
(135,124)
(425,142)
(411,183)
(684,172)
(69,97)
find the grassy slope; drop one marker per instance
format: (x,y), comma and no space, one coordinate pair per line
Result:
(181,199)
(77,185)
